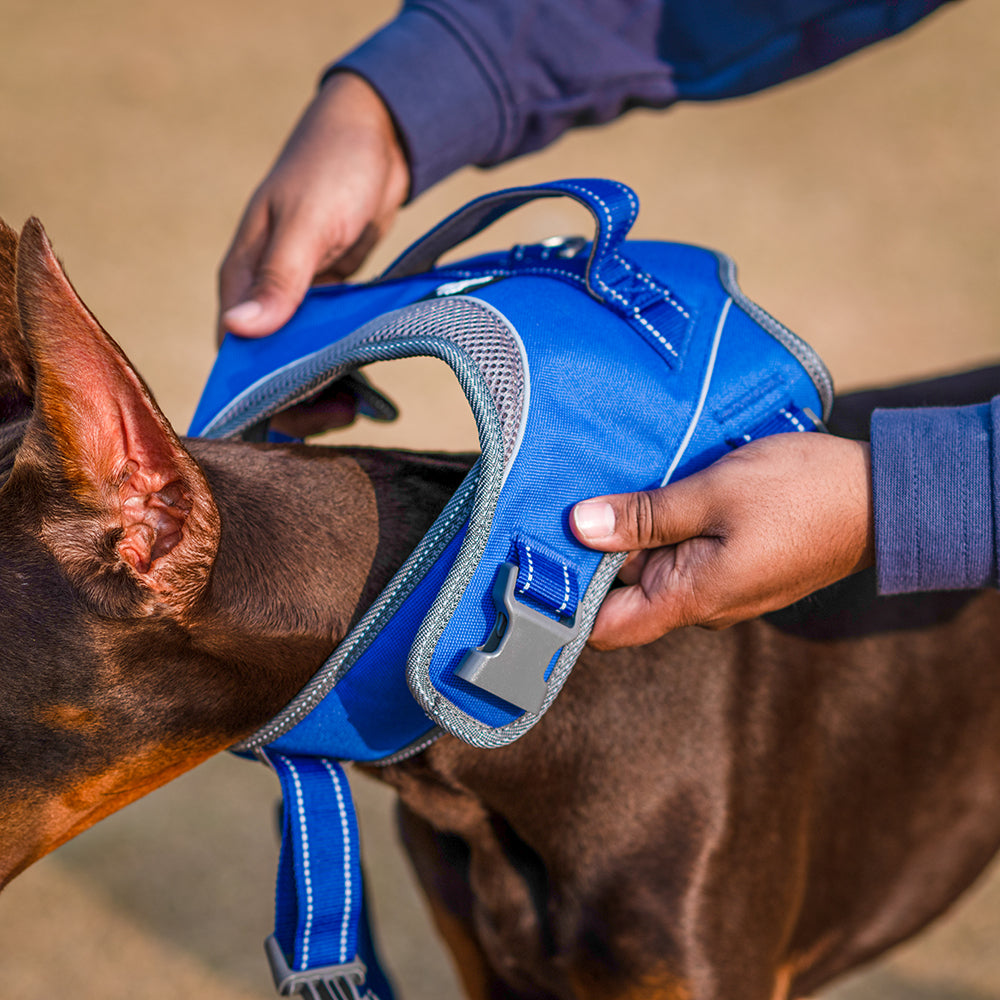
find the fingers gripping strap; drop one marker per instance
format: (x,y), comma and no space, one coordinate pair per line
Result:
(614,207)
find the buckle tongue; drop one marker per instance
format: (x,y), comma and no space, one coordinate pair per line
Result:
(328,982)
(511,663)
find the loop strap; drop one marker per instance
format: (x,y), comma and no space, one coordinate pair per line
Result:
(545,579)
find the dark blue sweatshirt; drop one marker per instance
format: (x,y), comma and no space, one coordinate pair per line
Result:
(483,81)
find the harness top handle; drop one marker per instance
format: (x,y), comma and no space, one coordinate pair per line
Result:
(613,205)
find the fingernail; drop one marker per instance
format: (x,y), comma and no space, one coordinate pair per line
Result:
(245,312)
(594,519)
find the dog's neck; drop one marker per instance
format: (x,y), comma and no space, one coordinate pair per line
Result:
(310,536)
(299,534)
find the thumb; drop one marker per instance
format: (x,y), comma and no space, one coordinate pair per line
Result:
(626,522)
(278,284)
(268,304)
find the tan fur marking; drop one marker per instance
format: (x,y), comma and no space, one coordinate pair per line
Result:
(653,986)
(73,718)
(63,816)
(465,952)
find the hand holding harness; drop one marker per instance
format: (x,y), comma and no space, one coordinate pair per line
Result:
(595,367)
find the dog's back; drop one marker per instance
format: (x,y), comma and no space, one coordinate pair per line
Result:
(725,815)
(733,814)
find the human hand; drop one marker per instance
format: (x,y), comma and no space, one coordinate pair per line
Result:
(763,526)
(330,196)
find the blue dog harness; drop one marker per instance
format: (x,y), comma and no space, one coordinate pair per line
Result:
(591,367)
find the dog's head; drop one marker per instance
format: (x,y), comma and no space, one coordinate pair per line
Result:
(108,532)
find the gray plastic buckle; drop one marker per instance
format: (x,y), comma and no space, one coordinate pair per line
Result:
(511,663)
(329,982)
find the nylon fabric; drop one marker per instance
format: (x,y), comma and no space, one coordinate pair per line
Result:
(543,578)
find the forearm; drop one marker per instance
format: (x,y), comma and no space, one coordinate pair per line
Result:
(936,478)
(481,83)
(485,82)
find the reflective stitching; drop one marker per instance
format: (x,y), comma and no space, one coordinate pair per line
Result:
(565,569)
(510,272)
(661,289)
(531,569)
(605,234)
(556,272)
(637,315)
(306,873)
(793,420)
(633,201)
(345,831)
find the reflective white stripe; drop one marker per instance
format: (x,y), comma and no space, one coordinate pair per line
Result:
(306,871)
(703,395)
(565,569)
(793,420)
(345,831)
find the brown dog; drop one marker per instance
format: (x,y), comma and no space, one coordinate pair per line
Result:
(719,816)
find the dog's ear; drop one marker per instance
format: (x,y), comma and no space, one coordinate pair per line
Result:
(139,523)
(15,368)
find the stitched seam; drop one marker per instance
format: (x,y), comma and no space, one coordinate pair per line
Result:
(556,272)
(306,871)
(345,832)
(637,315)
(794,420)
(591,196)
(660,289)
(633,202)
(508,272)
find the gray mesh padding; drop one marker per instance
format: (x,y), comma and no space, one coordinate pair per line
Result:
(479,332)
(486,338)
(486,356)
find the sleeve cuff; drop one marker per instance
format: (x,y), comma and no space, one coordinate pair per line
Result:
(446,106)
(934,498)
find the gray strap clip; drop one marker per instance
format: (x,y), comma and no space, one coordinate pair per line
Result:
(329,982)
(511,663)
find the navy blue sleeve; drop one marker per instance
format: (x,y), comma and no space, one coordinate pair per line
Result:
(483,81)
(936,479)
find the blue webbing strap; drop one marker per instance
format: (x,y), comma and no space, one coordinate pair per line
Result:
(321,945)
(544,579)
(787,419)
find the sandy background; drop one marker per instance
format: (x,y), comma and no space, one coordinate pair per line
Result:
(861,205)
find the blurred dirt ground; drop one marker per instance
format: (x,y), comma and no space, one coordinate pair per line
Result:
(861,205)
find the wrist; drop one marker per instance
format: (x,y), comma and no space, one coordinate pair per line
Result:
(347,104)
